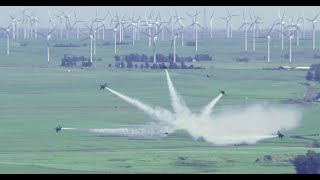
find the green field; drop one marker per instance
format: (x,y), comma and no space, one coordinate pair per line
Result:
(35,96)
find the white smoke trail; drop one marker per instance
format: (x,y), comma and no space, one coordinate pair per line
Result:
(156,113)
(208,109)
(179,106)
(248,125)
(143,132)
(69,128)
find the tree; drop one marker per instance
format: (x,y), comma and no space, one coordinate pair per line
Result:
(317,75)
(307,164)
(183,65)
(143,58)
(117,58)
(129,64)
(309,76)
(147,65)
(122,65)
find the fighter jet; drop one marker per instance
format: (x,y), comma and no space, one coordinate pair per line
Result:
(58,128)
(222,92)
(280,135)
(103,86)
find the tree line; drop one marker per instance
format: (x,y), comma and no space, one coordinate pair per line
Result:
(134,57)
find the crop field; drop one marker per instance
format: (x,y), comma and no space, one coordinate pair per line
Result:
(36,96)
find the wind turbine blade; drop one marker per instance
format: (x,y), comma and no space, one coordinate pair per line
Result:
(241,26)
(84,39)
(282,16)
(40,34)
(151,14)
(52,30)
(189,15)
(146,34)
(212,14)
(168,30)
(316,16)
(158,32)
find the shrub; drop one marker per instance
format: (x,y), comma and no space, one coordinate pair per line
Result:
(307,164)
(309,76)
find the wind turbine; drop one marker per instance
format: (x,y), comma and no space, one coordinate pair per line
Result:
(157,21)
(27,27)
(194,20)
(245,23)
(97,20)
(253,24)
(91,37)
(75,23)
(36,21)
(196,24)
(149,26)
(281,24)
(230,22)
(33,24)
(102,20)
(47,36)
(114,29)
(154,37)
(314,20)
(290,37)
(257,24)
(170,22)
(121,23)
(7,30)
(134,24)
(179,19)
(298,32)
(173,42)
(17,28)
(211,23)
(303,30)
(68,25)
(50,20)
(269,39)
(13,24)
(162,32)
(24,21)
(61,16)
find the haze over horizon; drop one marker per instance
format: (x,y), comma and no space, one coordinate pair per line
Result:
(269,14)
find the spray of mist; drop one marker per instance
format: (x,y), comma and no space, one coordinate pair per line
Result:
(208,109)
(179,106)
(230,126)
(156,113)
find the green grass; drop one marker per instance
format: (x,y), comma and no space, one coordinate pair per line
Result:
(36,97)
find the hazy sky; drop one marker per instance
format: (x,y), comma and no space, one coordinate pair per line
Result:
(268,13)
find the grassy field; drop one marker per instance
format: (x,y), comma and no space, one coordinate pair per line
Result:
(36,96)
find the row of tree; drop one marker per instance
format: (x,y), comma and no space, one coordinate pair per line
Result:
(70,61)
(66,45)
(134,57)
(118,43)
(162,65)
